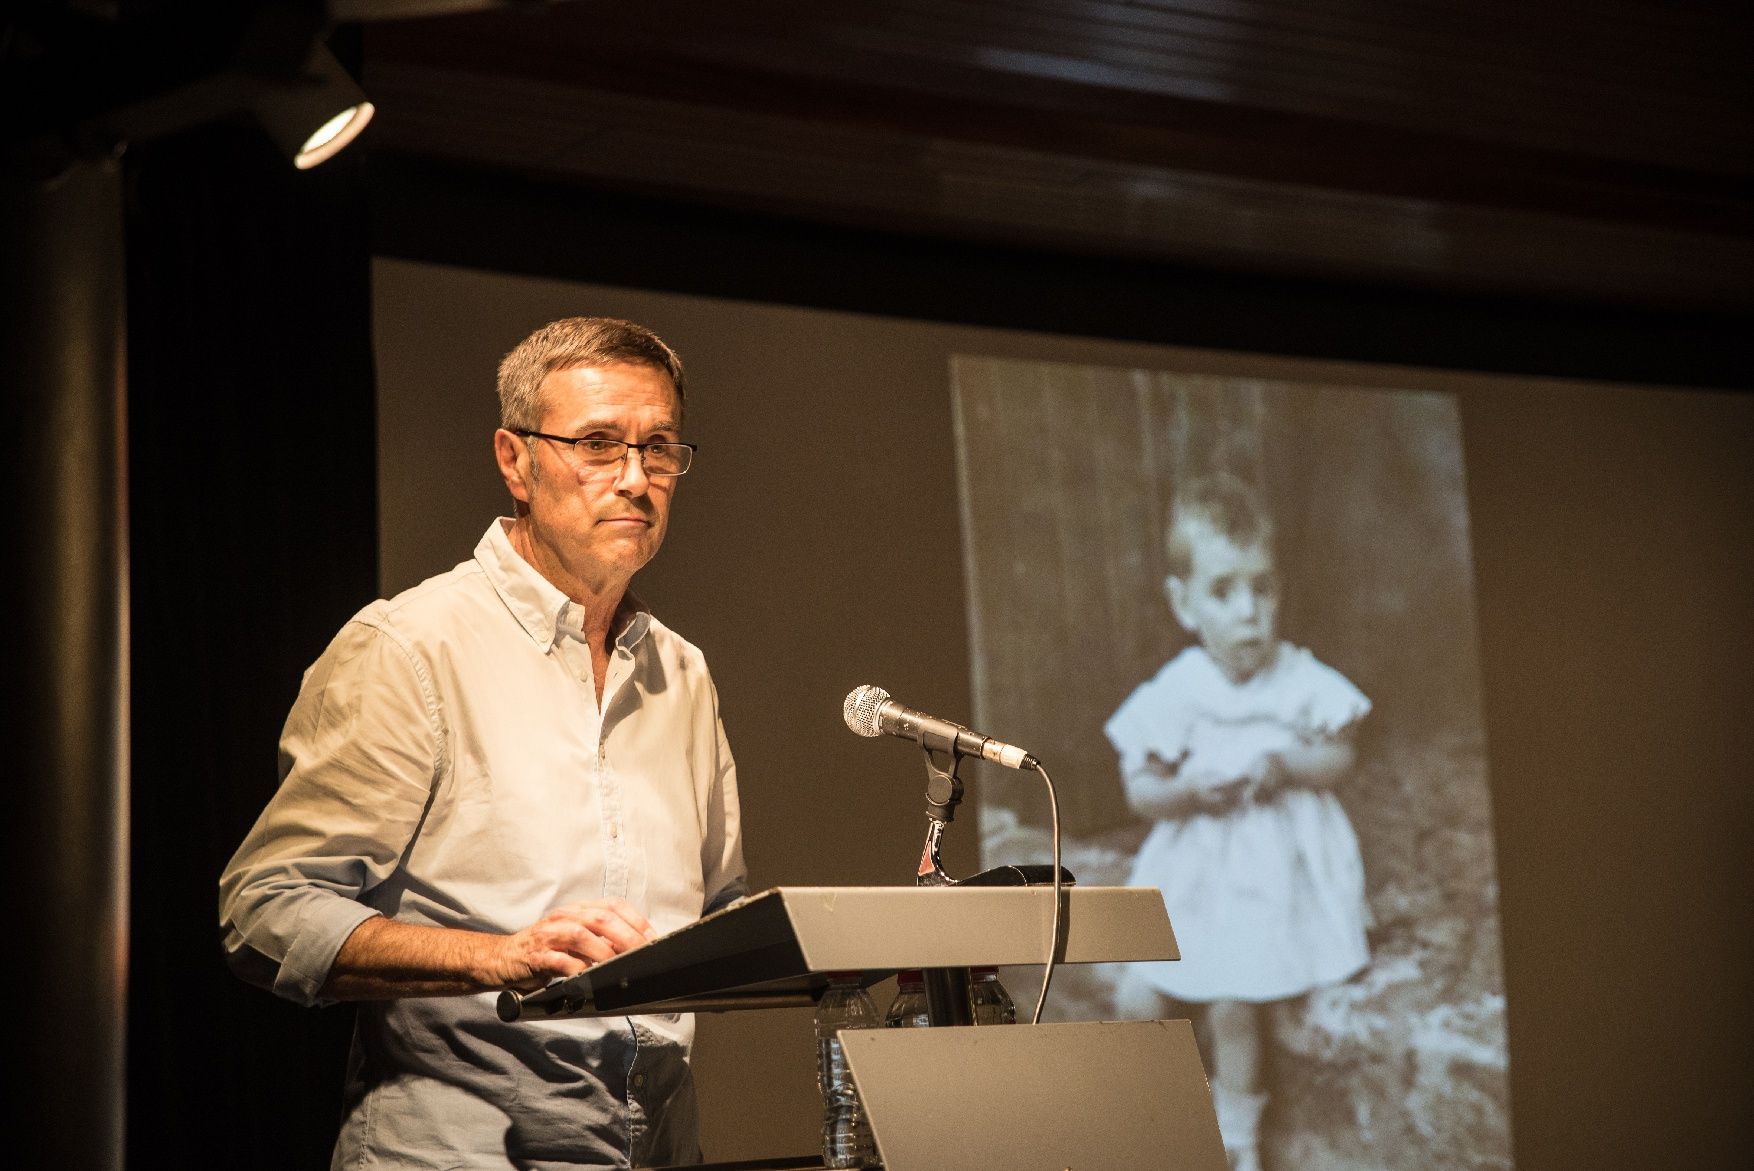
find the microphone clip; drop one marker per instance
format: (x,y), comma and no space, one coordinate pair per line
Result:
(943,794)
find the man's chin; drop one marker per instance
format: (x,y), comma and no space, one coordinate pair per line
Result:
(633,550)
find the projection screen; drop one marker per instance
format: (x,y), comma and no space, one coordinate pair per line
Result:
(975,519)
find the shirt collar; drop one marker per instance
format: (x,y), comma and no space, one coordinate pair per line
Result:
(545,613)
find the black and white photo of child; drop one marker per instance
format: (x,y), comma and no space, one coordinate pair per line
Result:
(1236,616)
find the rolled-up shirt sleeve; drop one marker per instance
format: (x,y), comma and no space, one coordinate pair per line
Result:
(725,879)
(359,753)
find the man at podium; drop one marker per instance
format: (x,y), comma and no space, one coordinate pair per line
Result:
(497,778)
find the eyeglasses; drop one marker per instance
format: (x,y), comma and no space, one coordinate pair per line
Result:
(658,459)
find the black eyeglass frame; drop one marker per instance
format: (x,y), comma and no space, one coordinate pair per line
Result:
(575,440)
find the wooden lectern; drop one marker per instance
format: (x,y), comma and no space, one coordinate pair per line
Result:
(1078,1096)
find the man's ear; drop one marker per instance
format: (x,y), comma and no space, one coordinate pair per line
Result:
(513,456)
(1176,591)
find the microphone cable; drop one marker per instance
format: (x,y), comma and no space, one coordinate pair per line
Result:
(1058,932)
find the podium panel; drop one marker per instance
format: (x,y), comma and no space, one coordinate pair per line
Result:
(1078,1096)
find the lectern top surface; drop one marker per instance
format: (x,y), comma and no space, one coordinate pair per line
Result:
(784,941)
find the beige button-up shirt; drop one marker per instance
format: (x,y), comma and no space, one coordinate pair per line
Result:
(446,763)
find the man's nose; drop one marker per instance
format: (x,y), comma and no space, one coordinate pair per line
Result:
(630,477)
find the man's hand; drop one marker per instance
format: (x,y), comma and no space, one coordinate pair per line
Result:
(568,940)
(384,958)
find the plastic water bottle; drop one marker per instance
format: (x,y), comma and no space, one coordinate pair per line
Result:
(908,1009)
(989,1003)
(847,1140)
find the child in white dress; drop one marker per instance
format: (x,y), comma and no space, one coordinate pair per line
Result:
(1232,749)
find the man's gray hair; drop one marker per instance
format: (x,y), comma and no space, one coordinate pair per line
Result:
(571,342)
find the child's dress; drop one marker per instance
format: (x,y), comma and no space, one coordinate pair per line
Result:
(1267,899)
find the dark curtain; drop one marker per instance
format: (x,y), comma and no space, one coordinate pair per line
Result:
(254,536)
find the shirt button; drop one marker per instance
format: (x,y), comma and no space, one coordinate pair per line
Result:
(615,829)
(639,1081)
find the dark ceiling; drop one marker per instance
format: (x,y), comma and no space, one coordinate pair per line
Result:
(1594,151)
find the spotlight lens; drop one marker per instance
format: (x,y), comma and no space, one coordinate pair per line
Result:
(332,135)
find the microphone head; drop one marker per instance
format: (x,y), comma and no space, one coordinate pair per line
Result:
(862,708)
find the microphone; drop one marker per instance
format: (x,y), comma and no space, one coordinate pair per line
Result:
(870,712)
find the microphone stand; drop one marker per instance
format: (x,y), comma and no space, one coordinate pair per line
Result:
(947,989)
(947,1000)
(943,794)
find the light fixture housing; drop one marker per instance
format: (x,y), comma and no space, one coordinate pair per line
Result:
(312,115)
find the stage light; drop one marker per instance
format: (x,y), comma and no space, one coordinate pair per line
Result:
(332,135)
(279,76)
(313,115)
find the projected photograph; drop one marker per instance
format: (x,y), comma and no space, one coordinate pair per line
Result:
(1235,619)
